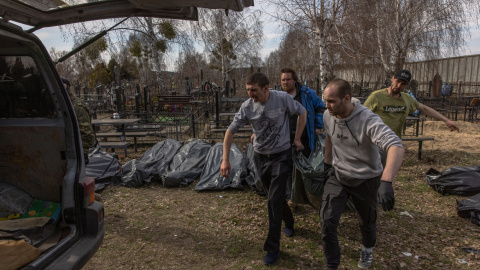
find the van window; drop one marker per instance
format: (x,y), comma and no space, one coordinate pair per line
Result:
(23,93)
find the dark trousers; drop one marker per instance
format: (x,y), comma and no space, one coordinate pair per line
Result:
(334,200)
(273,170)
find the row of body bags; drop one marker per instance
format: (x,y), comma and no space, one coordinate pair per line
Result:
(175,164)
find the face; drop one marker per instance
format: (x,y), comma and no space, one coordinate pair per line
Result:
(256,93)
(336,106)
(288,83)
(397,86)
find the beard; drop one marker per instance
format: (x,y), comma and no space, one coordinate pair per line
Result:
(288,90)
(395,90)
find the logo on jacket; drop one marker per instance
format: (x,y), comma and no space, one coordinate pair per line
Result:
(341,137)
(394,109)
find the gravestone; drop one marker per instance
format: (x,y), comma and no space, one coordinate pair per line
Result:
(436,86)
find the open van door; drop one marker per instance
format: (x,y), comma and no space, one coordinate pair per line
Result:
(46,13)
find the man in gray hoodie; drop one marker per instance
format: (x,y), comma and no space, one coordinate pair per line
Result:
(353,136)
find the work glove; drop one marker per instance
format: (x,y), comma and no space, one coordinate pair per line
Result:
(386,196)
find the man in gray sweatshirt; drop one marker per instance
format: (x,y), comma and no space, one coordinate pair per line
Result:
(268,112)
(353,136)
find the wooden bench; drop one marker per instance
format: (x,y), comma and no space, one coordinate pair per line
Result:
(472,110)
(420,141)
(123,145)
(133,134)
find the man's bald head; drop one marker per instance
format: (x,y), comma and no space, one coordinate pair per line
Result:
(341,87)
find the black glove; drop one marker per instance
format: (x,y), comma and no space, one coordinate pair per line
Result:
(386,196)
(327,167)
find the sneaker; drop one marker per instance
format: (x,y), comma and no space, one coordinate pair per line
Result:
(288,231)
(271,257)
(366,257)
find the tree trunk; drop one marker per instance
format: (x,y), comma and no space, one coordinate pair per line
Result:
(157,57)
(323,60)
(381,48)
(322,46)
(222,48)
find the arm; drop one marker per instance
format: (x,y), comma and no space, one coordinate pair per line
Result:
(320,108)
(227,144)
(386,195)
(301,121)
(327,158)
(394,161)
(432,113)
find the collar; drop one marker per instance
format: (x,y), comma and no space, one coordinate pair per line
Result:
(388,92)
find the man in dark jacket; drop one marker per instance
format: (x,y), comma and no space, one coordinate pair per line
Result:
(315,108)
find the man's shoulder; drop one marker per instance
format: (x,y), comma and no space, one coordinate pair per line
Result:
(305,88)
(280,94)
(408,97)
(382,91)
(247,103)
(310,92)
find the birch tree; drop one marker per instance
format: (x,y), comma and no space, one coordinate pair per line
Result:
(314,17)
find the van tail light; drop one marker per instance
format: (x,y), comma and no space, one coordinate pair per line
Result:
(88,191)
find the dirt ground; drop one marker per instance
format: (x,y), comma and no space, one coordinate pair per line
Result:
(153,227)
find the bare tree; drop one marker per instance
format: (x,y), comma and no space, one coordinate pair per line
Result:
(156,37)
(355,49)
(192,64)
(422,29)
(231,40)
(317,18)
(68,68)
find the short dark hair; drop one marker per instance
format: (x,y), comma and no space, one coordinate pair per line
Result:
(343,87)
(289,70)
(258,78)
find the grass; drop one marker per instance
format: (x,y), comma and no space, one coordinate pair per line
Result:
(153,227)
